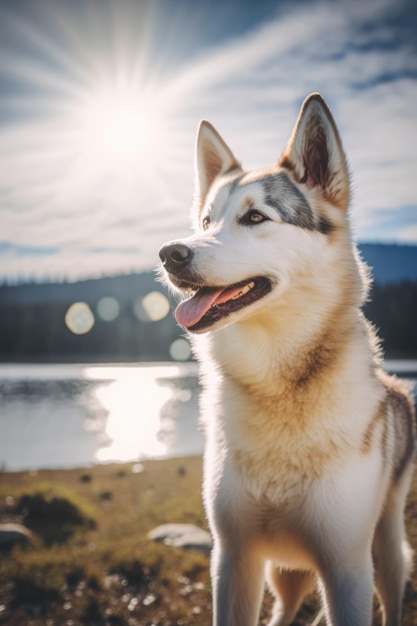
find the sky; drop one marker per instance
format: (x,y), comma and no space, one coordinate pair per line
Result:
(100,102)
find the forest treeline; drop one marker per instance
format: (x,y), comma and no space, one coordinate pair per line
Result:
(33,329)
(392,308)
(33,322)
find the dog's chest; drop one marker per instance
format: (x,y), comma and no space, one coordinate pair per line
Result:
(265,476)
(274,449)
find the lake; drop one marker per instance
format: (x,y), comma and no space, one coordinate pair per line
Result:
(71,415)
(76,415)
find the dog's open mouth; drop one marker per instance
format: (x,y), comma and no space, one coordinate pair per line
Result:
(208,305)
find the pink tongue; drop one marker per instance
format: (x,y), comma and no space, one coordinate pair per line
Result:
(190,311)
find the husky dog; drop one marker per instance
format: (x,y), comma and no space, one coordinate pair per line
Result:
(309,444)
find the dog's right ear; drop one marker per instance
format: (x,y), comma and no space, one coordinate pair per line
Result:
(213,158)
(315,155)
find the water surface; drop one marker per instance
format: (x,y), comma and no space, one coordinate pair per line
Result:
(74,415)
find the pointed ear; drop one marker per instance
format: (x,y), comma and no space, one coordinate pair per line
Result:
(212,158)
(315,155)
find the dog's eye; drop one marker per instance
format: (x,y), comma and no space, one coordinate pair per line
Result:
(253,217)
(206,222)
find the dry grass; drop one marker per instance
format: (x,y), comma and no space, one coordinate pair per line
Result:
(106,572)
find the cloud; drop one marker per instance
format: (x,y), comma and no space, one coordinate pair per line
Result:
(65,264)
(407,235)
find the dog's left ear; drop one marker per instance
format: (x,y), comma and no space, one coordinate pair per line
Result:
(213,158)
(315,155)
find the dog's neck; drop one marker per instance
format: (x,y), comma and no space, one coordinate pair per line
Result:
(297,339)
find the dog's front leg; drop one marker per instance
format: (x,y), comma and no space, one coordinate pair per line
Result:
(238,582)
(348,594)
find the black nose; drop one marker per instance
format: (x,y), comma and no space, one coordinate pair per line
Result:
(175,257)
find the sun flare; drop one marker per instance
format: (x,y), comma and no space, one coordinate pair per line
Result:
(116,128)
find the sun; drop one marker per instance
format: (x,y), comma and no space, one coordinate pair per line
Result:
(116,128)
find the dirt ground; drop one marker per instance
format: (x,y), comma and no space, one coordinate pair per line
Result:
(104,570)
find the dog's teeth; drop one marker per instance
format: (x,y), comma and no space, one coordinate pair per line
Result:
(247,288)
(244,290)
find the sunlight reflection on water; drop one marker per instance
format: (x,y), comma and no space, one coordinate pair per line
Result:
(73,415)
(141,406)
(134,405)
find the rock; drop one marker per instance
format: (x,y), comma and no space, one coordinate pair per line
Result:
(185,536)
(11,534)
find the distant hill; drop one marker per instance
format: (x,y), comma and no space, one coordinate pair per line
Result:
(123,287)
(390,263)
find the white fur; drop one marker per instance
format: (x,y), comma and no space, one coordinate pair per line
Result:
(299,458)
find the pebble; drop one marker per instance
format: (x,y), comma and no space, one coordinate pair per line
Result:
(184,536)
(11,534)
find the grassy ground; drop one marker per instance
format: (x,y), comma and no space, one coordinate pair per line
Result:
(94,565)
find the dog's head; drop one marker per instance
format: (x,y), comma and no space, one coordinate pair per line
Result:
(258,233)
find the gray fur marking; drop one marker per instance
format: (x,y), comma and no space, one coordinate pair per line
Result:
(290,203)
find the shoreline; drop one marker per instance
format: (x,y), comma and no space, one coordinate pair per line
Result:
(34,471)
